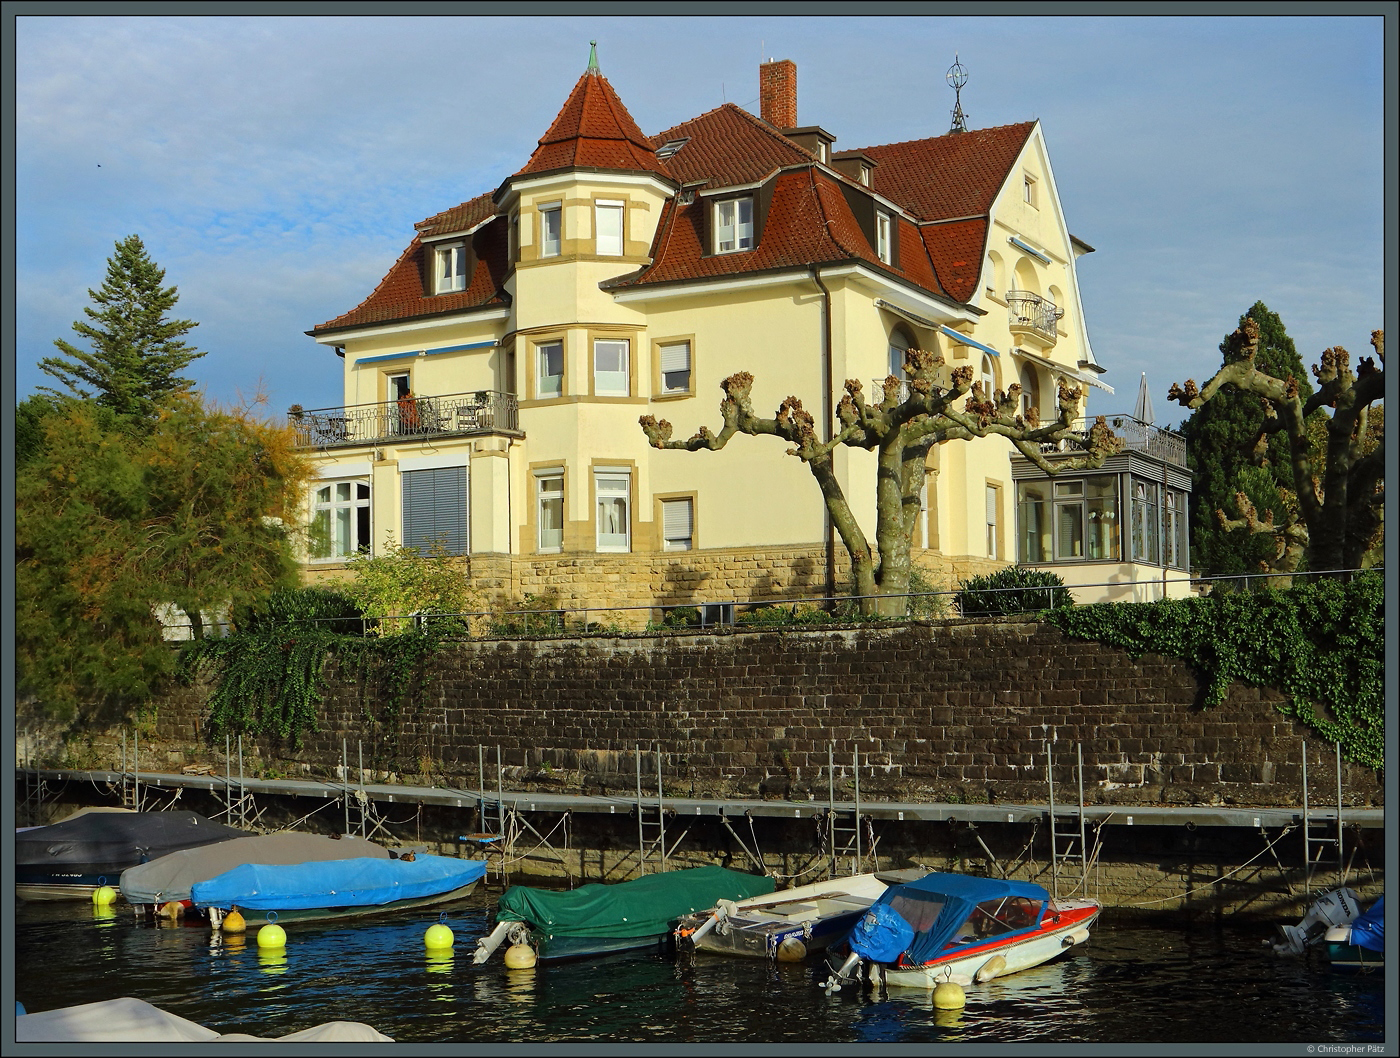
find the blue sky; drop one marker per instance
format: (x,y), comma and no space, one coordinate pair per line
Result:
(275,166)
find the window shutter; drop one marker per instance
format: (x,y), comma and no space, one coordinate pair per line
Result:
(677,519)
(675,357)
(991,505)
(435,509)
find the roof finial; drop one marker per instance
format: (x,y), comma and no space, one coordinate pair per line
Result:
(957,77)
(593,56)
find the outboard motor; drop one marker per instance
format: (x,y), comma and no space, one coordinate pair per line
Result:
(1336,908)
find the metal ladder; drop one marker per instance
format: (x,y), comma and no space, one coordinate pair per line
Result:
(651,819)
(845,836)
(1068,852)
(1313,862)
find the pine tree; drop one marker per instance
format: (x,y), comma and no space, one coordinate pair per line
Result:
(137,355)
(1218,437)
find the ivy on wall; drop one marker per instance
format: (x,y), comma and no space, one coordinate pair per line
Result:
(268,676)
(1320,644)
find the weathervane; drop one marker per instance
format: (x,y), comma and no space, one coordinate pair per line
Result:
(957,77)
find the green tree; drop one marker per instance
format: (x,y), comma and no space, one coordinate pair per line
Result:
(401,582)
(137,354)
(1332,507)
(1220,438)
(115,520)
(940,404)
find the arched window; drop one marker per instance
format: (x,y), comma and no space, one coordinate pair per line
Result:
(1030,389)
(996,273)
(989,378)
(900,343)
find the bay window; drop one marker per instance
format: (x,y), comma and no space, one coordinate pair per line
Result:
(610,370)
(549,514)
(549,369)
(612,488)
(607,223)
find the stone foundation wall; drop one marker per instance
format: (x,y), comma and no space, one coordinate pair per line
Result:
(936,711)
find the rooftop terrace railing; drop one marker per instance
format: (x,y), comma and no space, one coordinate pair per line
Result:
(480,411)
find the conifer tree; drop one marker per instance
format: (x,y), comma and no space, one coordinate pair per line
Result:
(1219,437)
(137,355)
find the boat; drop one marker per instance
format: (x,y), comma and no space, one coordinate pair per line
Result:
(129,1020)
(787,925)
(598,918)
(961,929)
(331,889)
(1358,946)
(169,878)
(72,859)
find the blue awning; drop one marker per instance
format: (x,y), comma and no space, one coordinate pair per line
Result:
(967,341)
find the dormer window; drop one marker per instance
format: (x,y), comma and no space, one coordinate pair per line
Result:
(551,230)
(451,269)
(865,175)
(734,225)
(882,237)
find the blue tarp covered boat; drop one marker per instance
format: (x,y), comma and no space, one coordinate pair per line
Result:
(339,888)
(1360,945)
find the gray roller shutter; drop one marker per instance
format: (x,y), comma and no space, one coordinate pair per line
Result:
(435,509)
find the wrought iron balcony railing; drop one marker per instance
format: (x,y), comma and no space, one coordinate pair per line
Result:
(482,411)
(1028,311)
(1138,436)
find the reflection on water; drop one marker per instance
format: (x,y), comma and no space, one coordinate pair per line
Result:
(1129,984)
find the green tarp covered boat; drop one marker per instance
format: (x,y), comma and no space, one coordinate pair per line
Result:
(596,918)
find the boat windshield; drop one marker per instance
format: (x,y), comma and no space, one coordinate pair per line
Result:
(920,910)
(993,918)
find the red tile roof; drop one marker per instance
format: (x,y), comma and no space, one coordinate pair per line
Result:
(952,178)
(729,146)
(402,294)
(948,177)
(594,130)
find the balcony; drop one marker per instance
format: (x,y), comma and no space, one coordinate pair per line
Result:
(1138,436)
(483,411)
(1031,315)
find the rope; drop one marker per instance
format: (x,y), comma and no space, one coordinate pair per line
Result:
(1201,888)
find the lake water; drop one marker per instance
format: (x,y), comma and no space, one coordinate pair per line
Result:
(1130,983)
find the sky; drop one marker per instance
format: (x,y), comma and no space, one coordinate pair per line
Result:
(275,166)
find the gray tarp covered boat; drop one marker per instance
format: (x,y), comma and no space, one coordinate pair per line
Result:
(170,877)
(129,1020)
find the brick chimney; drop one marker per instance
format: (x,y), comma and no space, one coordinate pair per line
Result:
(777,93)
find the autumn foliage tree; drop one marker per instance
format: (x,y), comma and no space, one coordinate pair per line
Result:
(936,404)
(1332,515)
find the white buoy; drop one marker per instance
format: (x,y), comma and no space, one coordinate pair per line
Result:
(520,957)
(991,968)
(949,995)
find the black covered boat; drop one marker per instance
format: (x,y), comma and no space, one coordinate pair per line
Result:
(69,860)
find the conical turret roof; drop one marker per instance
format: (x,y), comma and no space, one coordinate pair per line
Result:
(594,130)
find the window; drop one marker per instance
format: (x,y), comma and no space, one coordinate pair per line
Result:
(882,237)
(549,379)
(1030,391)
(1145,539)
(1030,190)
(993,510)
(900,344)
(734,225)
(1174,524)
(610,367)
(675,367)
(677,524)
(514,246)
(865,175)
(613,489)
(549,492)
(1085,526)
(551,230)
(608,228)
(340,518)
(435,510)
(451,271)
(989,378)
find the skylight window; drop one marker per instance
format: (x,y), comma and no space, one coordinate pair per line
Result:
(670,147)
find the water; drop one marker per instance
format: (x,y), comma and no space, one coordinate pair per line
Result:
(1129,984)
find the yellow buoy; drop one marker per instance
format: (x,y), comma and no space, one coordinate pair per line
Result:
(949,995)
(791,950)
(438,936)
(272,936)
(520,957)
(103,895)
(233,922)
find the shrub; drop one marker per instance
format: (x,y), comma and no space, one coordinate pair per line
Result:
(1013,590)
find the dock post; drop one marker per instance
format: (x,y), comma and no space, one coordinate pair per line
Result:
(1050,783)
(641,834)
(345,780)
(856,767)
(1341,834)
(660,812)
(831,805)
(242,787)
(1307,839)
(364,800)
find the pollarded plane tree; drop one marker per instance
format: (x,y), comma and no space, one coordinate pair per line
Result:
(936,404)
(1334,515)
